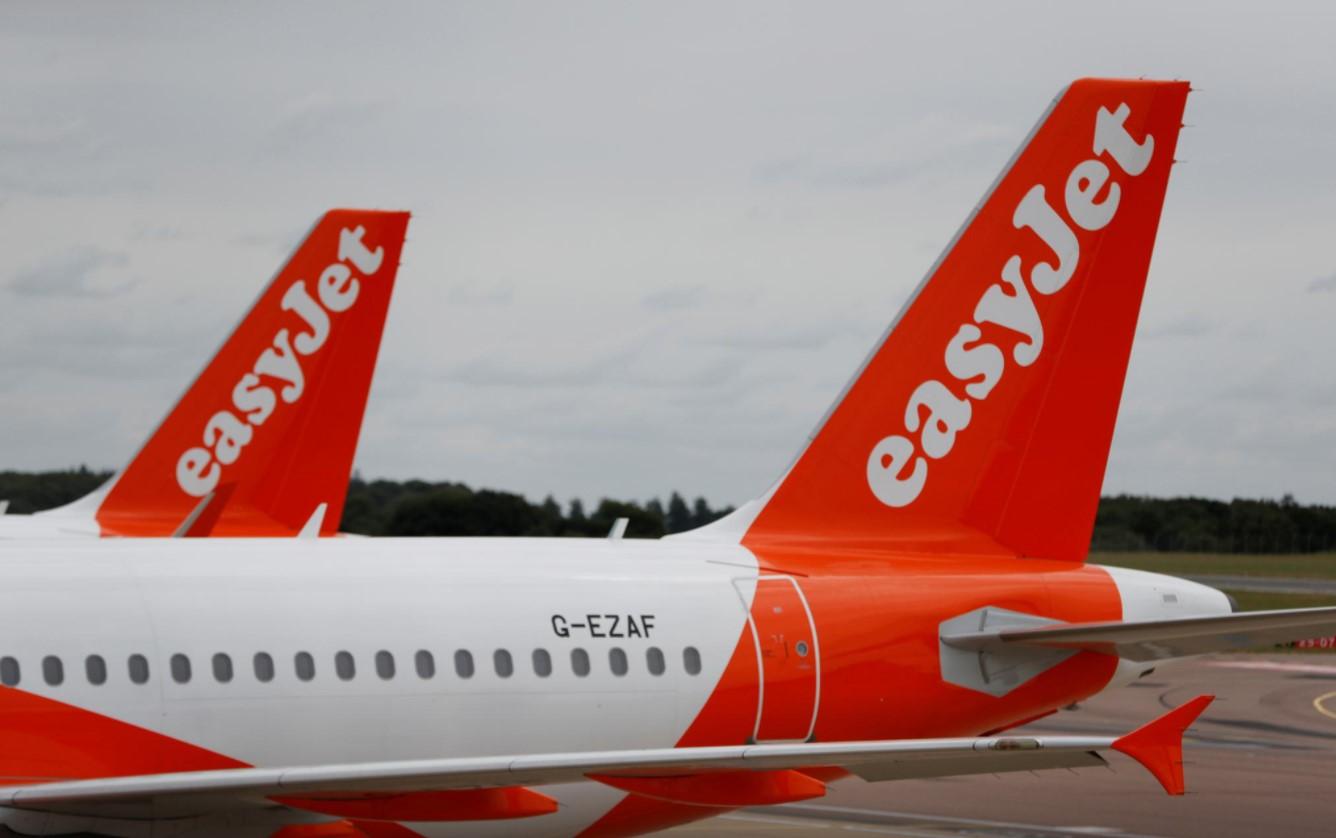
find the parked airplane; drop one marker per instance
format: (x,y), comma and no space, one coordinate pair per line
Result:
(265,436)
(910,589)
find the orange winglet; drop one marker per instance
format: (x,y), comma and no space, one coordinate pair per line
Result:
(1158,745)
(726,789)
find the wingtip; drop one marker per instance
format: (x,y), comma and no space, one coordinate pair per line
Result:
(1158,744)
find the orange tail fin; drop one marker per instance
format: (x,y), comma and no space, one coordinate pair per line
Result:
(276,414)
(983,419)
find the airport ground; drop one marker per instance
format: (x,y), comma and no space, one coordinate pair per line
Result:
(1260,762)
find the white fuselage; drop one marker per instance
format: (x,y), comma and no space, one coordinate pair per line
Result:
(460,601)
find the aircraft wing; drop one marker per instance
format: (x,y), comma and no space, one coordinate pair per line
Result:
(733,776)
(1159,639)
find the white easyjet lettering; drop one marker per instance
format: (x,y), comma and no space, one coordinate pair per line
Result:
(1111,138)
(317,318)
(884,469)
(1035,213)
(227,433)
(967,362)
(1083,185)
(1013,310)
(254,400)
(897,466)
(947,415)
(281,362)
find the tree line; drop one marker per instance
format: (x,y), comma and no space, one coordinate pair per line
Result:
(416,507)
(419,508)
(1202,525)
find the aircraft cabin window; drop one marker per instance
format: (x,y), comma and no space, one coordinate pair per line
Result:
(691,660)
(617,660)
(580,662)
(542,663)
(9,672)
(53,671)
(384,665)
(95,667)
(305,665)
(180,668)
(344,666)
(426,664)
(654,660)
(504,664)
(138,666)
(222,668)
(264,667)
(464,663)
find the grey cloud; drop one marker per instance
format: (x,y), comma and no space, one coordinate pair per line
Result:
(1191,326)
(832,175)
(570,211)
(284,241)
(324,115)
(1323,284)
(673,299)
(920,149)
(809,336)
(478,294)
(159,234)
(76,273)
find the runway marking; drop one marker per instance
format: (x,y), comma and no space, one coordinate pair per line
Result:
(1276,666)
(1318,702)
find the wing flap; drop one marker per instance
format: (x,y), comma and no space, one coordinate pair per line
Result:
(999,763)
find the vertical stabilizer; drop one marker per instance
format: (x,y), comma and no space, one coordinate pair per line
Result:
(982,420)
(275,415)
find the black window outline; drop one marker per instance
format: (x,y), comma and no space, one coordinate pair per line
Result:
(691,660)
(178,666)
(95,670)
(137,667)
(464,667)
(425,664)
(385,667)
(542,663)
(221,664)
(53,670)
(345,665)
(654,661)
(10,671)
(503,663)
(303,663)
(262,663)
(580,664)
(617,661)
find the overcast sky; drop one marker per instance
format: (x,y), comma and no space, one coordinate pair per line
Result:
(650,242)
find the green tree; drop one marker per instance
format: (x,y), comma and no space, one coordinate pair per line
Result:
(679,516)
(640,523)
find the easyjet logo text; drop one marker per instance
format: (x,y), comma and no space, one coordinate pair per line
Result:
(897,467)
(227,432)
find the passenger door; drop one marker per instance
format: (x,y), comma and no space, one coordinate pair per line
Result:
(788,656)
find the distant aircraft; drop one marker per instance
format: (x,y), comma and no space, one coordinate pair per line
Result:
(911,588)
(262,443)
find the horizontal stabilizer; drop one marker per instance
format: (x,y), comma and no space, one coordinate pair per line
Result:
(1150,640)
